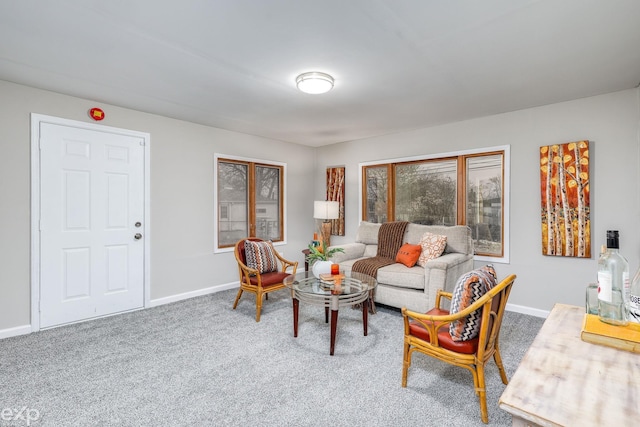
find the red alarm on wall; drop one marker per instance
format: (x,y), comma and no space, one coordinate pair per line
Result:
(96,114)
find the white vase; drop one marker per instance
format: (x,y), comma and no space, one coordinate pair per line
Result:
(321,267)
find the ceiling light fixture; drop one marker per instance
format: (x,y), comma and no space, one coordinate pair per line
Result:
(314,82)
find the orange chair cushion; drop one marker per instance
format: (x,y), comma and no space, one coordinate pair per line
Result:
(269,279)
(408,254)
(444,338)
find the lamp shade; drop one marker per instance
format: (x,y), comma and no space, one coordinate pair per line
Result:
(326,209)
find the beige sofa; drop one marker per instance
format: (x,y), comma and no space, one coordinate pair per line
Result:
(415,288)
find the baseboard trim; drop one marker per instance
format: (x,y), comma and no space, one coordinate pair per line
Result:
(14,332)
(26,329)
(527,310)
(193,294)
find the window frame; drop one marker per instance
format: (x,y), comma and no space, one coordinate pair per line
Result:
(461,157)
(251,187)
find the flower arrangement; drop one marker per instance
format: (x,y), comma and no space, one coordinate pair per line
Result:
(320,253)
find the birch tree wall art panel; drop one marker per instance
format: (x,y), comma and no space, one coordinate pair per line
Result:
(564,194)
(335,192)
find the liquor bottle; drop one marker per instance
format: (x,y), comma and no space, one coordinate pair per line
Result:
(634,298)
(613,283)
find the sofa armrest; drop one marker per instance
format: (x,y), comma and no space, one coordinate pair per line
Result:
(351,251)
(443,272)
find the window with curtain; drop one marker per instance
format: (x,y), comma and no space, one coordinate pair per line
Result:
(462,189)
(249,199)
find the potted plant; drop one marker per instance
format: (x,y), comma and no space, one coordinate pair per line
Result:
(318,258)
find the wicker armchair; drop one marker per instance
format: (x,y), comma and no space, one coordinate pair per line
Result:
(428,333)
(261,284)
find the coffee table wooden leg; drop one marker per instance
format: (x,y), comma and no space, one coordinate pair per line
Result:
(334,327)
(326,314)
(365,316)
(296,304)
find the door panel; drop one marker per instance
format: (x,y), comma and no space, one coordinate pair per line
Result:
(91,195)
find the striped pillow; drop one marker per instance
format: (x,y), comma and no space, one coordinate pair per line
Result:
(260,255)
(470,287)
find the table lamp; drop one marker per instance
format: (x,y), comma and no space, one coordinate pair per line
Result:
(326,211)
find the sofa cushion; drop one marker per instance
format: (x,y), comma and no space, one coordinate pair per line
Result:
(350,251)
(260,256)
(432,246)
(458,236)
(396,275)
(370,250)
(368,233)
(408,254)
(470,287)
(400,276)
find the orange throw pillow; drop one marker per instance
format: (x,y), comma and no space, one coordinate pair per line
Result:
(408,254)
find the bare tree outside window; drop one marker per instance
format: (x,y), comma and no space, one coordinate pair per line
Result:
(484,203)
(267,203)
(250,196)
(233,197)
(376,179)
(426,192)
(465,189)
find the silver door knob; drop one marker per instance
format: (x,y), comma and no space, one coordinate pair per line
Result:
(138,236)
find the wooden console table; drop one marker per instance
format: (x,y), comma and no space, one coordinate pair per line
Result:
(564,381)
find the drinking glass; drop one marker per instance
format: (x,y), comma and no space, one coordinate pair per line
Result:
(591,300)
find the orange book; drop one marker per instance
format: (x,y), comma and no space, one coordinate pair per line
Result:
(621,337)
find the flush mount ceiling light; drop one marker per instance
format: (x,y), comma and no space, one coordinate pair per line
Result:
(314,82)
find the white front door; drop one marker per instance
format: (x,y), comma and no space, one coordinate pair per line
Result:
(91,223)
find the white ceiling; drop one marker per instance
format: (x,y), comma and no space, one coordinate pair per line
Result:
(398,64)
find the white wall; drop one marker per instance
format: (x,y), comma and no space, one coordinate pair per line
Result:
(182,223)
(610,122)
(182,189)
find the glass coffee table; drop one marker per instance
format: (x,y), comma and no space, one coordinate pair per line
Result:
(331,292)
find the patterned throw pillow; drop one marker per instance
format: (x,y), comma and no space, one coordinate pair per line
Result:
(259,255)
(432,247)
(408,254)
(470,287)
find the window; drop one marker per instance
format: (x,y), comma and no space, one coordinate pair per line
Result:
(484,176)
(462,188)
(249,198)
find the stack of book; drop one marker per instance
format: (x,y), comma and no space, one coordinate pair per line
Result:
(329,278)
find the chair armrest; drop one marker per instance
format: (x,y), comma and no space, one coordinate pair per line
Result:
(441,294)
(247,270)
(286,263)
